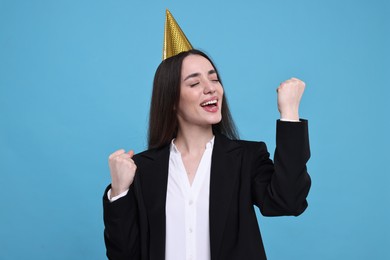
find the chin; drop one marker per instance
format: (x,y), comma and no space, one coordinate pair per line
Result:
(216,120)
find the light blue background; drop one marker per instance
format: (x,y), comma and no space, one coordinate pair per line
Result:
(75,83)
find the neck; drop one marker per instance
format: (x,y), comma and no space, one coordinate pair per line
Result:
(194,139)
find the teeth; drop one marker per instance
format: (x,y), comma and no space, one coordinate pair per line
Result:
(211,102)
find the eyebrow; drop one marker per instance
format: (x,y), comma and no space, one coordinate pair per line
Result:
(197,74)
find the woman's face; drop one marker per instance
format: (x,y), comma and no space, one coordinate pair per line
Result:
(201,93)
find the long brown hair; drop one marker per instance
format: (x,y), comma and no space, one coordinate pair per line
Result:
(163,122)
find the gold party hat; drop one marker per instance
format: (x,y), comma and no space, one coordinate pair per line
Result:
(175,40)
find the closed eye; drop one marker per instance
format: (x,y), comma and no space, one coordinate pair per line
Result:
(194,84)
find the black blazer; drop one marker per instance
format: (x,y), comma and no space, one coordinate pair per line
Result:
(242,175)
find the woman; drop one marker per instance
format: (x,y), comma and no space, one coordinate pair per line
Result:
(191,195)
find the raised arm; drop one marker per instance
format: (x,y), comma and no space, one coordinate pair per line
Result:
(281,187)
(121,233)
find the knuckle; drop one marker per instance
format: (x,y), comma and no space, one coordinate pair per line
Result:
(116,153)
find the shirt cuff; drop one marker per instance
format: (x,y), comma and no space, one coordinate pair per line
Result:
(289,120)
(117,196)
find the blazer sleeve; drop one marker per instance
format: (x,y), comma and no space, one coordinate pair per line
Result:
(121,232)
(281,187)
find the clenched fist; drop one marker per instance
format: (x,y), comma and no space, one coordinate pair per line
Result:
(122,169)
(289,96)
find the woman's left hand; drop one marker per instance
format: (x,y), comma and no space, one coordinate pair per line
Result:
(289,97)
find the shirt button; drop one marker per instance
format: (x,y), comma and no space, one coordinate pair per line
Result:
(190,202)
(190,230)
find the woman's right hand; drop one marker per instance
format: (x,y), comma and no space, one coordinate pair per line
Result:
(122,170)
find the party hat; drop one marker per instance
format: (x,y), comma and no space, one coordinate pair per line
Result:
(175,40)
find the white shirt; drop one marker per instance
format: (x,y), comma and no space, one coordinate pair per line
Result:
(187,208)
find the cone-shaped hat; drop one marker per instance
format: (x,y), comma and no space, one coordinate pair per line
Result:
(175,40)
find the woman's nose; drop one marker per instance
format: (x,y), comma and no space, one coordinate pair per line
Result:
(209,88)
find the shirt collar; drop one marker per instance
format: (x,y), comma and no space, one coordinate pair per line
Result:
(209,145)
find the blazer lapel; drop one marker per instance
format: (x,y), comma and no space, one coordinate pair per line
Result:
(225,168)
(154,189)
